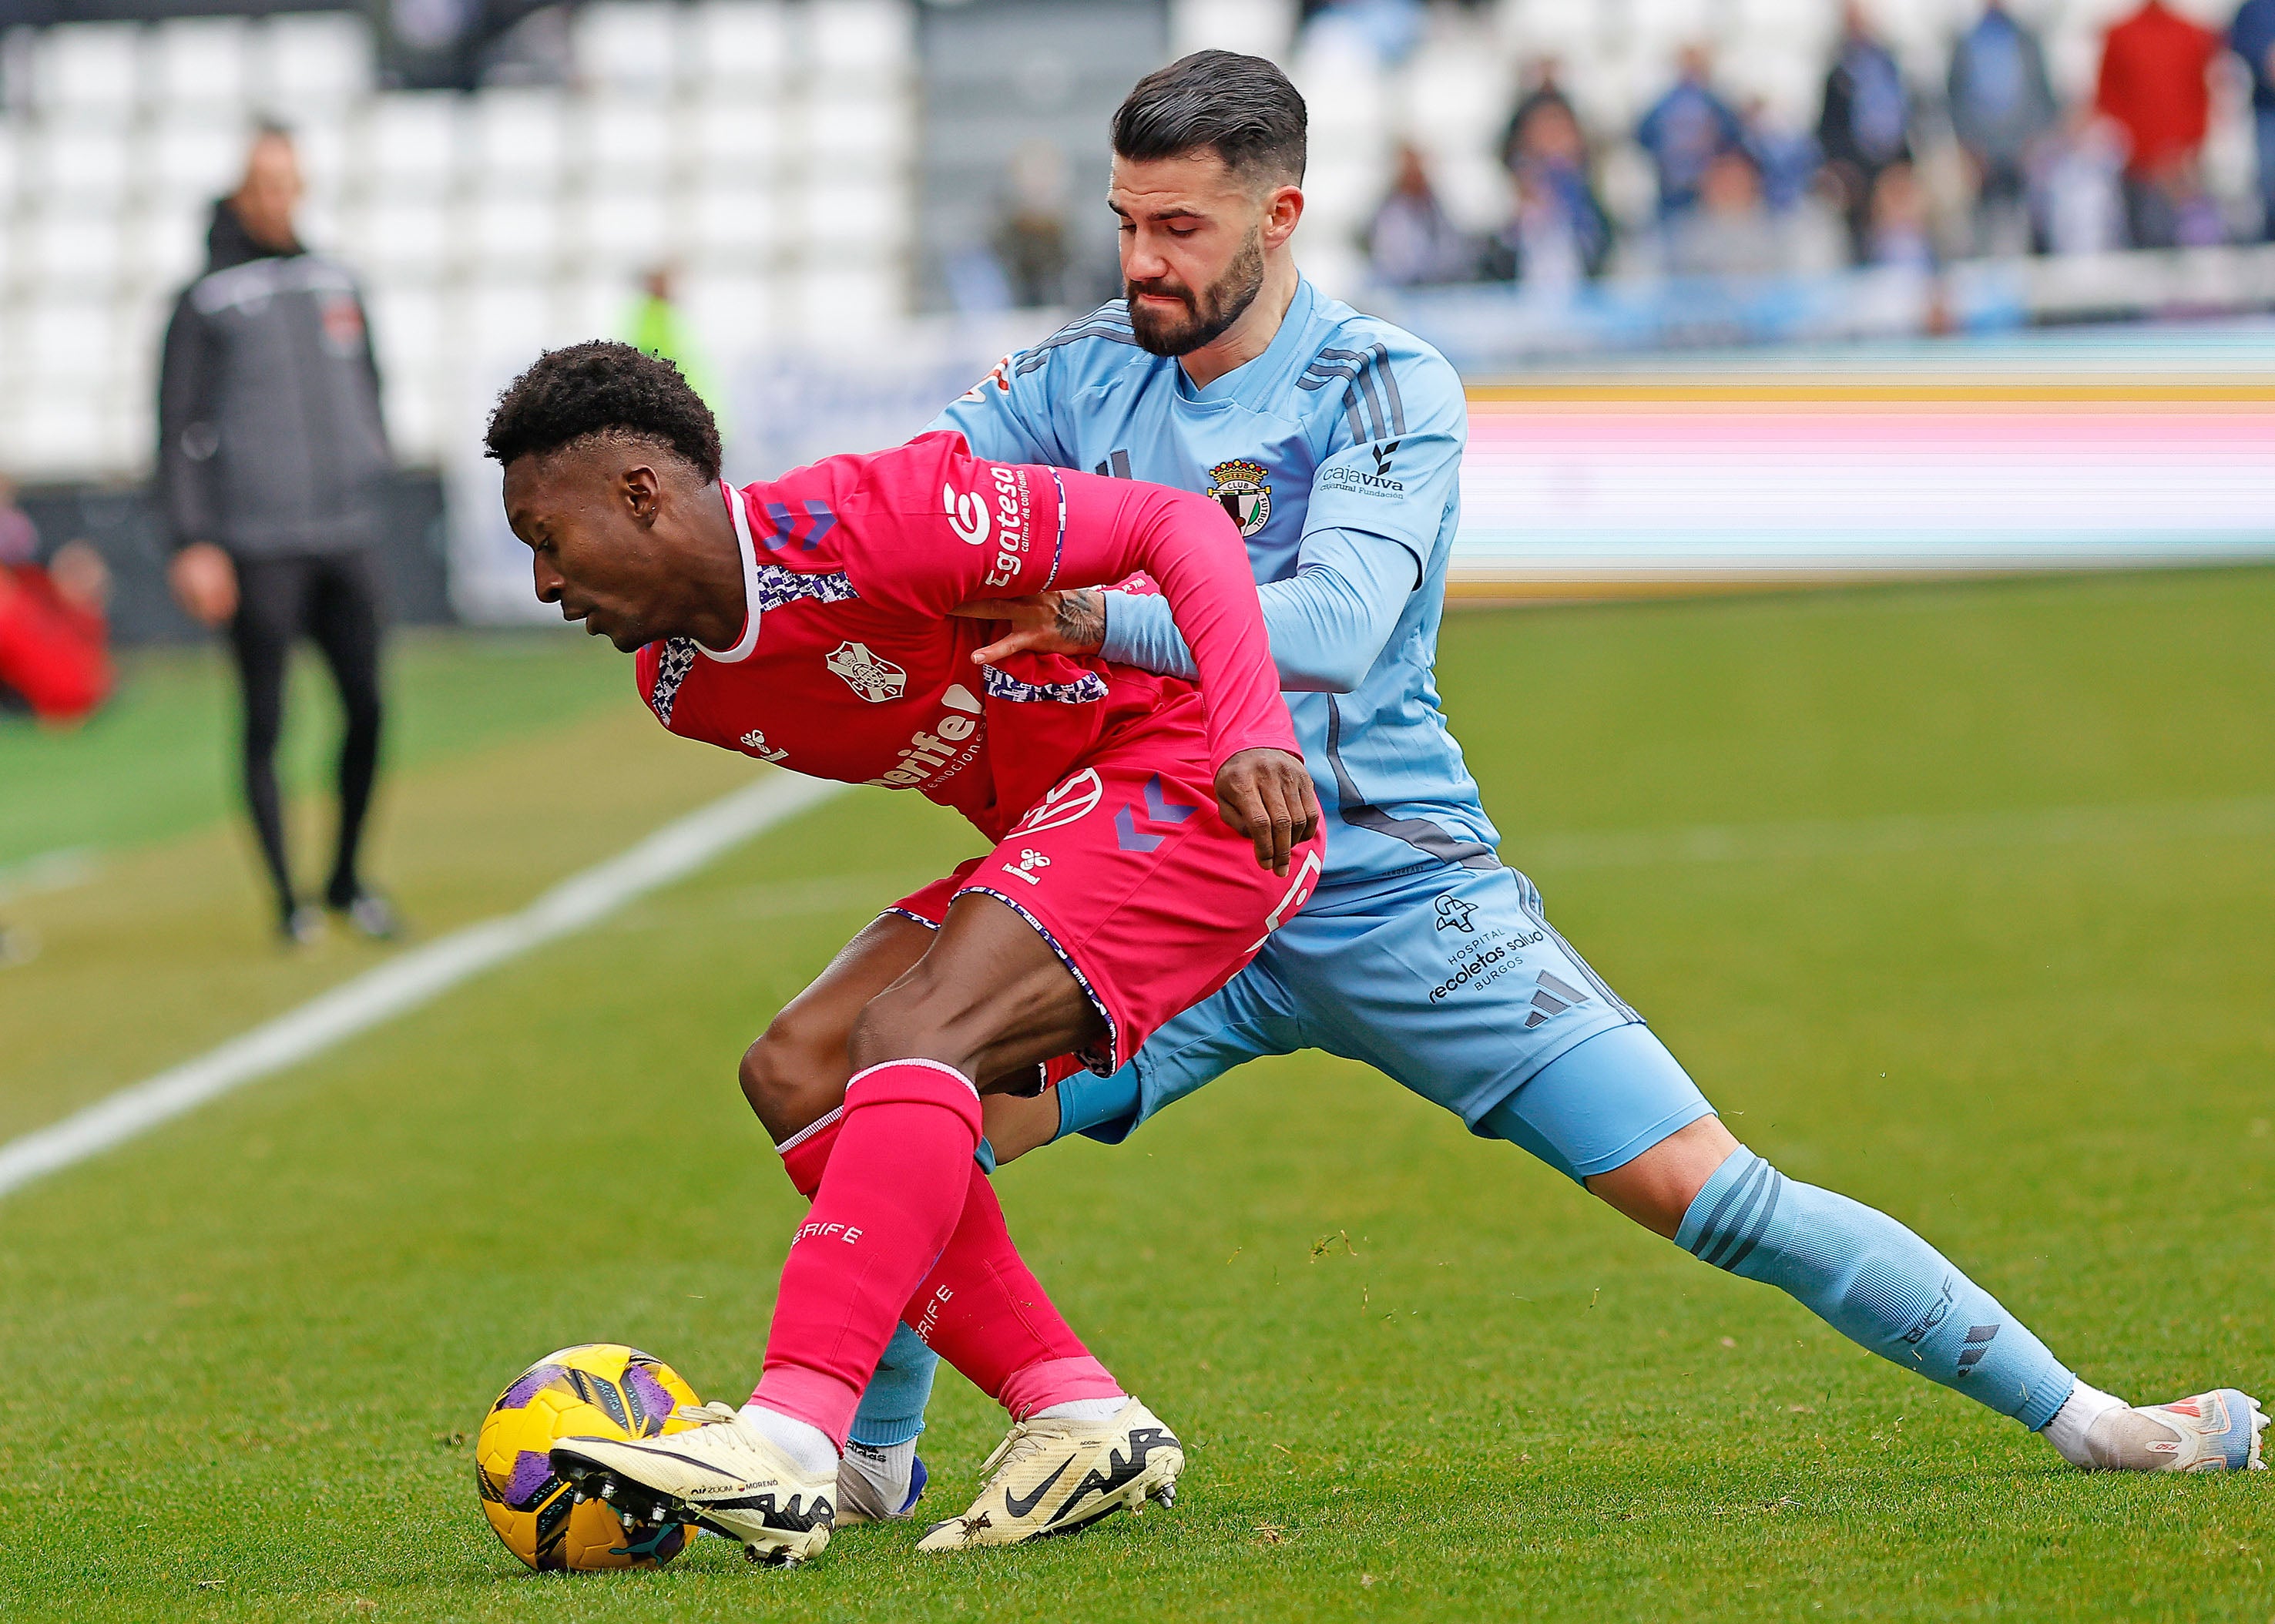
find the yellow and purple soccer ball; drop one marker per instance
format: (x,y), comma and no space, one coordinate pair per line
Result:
(593,1390)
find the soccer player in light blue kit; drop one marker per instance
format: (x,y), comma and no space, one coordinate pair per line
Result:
(1335,441)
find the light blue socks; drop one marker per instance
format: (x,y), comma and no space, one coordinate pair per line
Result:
(1875,1282)
(893,1406)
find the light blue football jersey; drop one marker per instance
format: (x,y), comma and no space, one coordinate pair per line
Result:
(1345,424)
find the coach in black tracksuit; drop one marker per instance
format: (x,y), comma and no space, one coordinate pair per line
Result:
(271,453)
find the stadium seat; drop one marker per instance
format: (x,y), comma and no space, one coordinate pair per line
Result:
(739,42)
(520,137)
(87,68)
(192,153)
(82,164)
(625,138)
(869,42)
(627,46)
(1258,27)
(513,230)
(410,142)
(404,237)
(74,253)
(199,62)
(313,59)
(734,137)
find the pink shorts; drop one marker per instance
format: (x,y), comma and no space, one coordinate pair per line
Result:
(1130,876)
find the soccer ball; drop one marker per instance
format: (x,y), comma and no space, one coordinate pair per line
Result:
(594,1390)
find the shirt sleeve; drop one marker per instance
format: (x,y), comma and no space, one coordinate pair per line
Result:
(1327,623)
(1006,415)
(186,442)
(961,528)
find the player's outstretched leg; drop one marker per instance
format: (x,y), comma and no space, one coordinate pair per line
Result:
(1866,1274)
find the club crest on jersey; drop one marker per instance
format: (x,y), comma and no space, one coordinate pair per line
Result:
(873,679)
(1239,486)
(1068,801)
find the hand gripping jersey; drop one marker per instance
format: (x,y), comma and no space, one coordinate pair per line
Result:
(850,668)
(1341,442)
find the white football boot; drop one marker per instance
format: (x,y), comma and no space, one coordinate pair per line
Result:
(2216,1431)
(723,1474)
(1054,1477)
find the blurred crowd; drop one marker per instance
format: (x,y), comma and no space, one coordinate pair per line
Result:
(1739,192)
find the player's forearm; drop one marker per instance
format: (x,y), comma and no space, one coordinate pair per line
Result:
(1187,545)
(1328,623)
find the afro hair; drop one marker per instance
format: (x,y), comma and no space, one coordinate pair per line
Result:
(603,390)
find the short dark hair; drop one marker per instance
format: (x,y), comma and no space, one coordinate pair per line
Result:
(1242,108)
(601,391)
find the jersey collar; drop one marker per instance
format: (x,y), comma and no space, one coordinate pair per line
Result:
(749,640)
(1254,383)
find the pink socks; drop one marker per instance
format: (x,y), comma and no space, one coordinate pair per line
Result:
(887,1205)
(983,1311)
(906,1209)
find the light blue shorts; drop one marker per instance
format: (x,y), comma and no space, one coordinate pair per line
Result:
(1453,982)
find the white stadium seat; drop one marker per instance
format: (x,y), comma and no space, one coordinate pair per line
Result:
(84,165)
(739,42)
(734,137)
(199,62)
(313,59)
(195,154)
(88,67)
(411,142)
(518,232)
(402,236)
(869,40)
(625,137)
(627,45)
(520,136)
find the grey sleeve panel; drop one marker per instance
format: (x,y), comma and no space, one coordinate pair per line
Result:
(1419,833)
(187,436)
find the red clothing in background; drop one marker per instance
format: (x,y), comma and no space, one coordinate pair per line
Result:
(52,652)
(2154,81)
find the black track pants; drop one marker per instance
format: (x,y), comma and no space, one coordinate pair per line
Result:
(332,598)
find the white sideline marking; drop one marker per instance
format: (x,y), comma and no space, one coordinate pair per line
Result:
(413,978)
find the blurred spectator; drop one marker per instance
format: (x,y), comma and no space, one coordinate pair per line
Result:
(2155,84)
(1787,159)
(1901,227)
(271,452)
(1411,241)
(2253,39)
(1031,237)
(1542,90)
(1866,123)
(658,326)
(1559,234)
(54,643)
(2077,194)
(2002,103)
(1685,131)
(1389,29)
(1730,233)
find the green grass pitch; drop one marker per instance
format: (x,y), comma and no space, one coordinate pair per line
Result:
(1957,898)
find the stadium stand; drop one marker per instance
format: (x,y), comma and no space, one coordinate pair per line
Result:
(768,147)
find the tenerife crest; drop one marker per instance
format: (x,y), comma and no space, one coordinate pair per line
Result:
(875,680)
(1240,487)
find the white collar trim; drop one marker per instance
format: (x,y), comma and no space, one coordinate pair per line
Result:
(749,640)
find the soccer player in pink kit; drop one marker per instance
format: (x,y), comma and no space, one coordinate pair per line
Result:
(1149,836)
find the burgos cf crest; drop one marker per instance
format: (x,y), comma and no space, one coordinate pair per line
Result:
(1240,487)
(873,679)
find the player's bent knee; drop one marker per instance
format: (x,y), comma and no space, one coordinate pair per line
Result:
(793,1076)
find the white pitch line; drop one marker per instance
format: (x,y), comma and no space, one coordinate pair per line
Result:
(413,978)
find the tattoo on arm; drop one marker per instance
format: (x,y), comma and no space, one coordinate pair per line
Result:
(1082,619)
